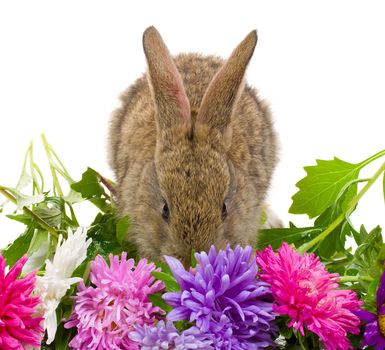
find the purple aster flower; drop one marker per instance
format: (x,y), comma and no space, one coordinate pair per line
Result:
(166,336)
(224,298)
(374,333)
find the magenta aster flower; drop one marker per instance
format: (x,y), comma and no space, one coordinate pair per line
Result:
(374,333)
(224,298)
(106,312)
(166,336)
(18,324)
(308,294)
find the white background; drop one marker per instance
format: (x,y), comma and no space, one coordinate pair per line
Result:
(320,64)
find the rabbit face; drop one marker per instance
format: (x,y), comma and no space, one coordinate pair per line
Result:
(194,184)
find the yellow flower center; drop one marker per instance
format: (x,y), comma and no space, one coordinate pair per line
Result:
(381,324)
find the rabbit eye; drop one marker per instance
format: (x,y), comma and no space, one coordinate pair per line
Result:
(165,212)
(224,211)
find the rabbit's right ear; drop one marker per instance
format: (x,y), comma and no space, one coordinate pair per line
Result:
(166,84)
(225,88)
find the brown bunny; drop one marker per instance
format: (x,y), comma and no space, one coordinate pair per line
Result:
(193,151)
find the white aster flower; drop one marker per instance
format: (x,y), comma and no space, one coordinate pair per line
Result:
(57,279)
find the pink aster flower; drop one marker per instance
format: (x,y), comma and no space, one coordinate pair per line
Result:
(107,311)
(305,291)
(18,326)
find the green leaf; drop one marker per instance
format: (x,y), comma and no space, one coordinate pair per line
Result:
(19,247)
(23,218)
(193,258)
(38,258)
(164,267)
(122,229)
(182,325)
(73,197)
(89,186)
(157,300)
(39,237)
(322,185)
(168,280)
(296,235)
(52,211)
(23,200)
(369,256)
(103,232)
(335,241)
(62,337)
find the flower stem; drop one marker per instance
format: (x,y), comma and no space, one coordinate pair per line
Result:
(305,247)
(372,158)
(30,213)
(56,184)
(35,185)
(344,279)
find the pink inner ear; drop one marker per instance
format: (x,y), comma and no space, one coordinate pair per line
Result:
(184,104)
(177,90)
(167,84)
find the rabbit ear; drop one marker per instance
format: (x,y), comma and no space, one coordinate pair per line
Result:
(166,83)
(223,91)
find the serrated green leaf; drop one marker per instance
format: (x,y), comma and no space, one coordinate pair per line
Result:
(89,186)
(370,295)
(168,280)
(52,215)
(19,247)
(122,229)
(276,236)
(369,256)
(322,184)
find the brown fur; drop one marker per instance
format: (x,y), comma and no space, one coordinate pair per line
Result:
(194,139)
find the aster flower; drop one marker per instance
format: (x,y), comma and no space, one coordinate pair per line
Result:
(166,336)
(374,333)
(57,279)
(224,298)
(19,326)
(308,294)
(106,312)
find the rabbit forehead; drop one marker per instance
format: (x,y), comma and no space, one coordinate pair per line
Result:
(199,173)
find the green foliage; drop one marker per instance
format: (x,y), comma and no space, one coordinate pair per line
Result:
(193,258)
(168,280)
(292,234)
(19,247)
(157,300)
(329,193)
(320,188)
(89,186)
(106,234)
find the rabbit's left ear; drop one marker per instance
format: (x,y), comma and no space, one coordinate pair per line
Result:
(224,90)
(166,83)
